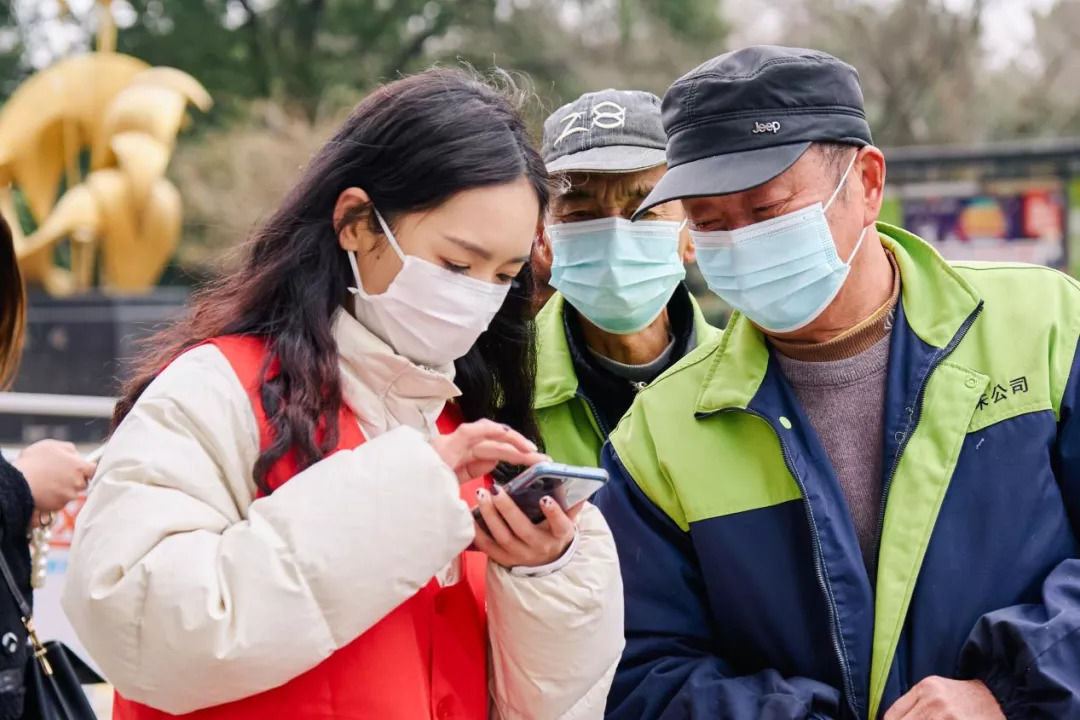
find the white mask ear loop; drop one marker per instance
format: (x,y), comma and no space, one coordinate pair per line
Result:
(359,289)
(389,235)
(843,179)
(862,236)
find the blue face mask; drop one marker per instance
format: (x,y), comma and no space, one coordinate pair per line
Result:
(618,274)
(781,273)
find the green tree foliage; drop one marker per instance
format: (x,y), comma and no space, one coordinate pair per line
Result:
(306,53)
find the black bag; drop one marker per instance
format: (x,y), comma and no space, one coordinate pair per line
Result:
(53,687)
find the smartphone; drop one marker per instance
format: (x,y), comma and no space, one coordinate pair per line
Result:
(567,485)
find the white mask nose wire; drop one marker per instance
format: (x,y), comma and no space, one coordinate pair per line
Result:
(389,235)
(843,179)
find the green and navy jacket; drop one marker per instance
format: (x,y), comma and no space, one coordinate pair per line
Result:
(746,593)
(570,426)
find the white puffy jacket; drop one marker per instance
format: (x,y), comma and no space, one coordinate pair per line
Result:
(179,578)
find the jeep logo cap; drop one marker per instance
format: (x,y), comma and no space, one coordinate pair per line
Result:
(744,117)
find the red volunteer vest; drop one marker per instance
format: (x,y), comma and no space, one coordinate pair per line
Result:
(425,660)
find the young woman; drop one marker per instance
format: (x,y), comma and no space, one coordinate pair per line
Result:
(46,476)
(277,527)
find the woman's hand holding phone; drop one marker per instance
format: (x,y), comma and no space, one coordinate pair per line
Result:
(475,448)
(512,540)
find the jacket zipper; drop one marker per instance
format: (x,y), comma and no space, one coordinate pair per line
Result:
(823,582)
(595,415)
(913,423)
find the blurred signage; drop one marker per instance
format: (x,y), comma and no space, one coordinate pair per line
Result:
(1001,222)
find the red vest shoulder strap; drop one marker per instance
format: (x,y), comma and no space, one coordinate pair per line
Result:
(247,354)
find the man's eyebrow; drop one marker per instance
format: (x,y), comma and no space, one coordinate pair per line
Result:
(774,200)
(634,194)
(638,195)
(576,195)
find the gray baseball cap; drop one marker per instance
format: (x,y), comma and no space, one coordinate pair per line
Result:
(610,131)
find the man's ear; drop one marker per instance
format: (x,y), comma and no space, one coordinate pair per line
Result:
(686,247)
(687,251)
(871,169)
(543,245)
(350,216)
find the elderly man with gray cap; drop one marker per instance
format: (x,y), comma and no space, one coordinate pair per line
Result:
(622,315)
(864,500)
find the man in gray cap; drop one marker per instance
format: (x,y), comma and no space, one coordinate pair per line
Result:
(622,315)
(864,500)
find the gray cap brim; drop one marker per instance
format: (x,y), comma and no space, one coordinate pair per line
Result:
(723,174)
(609,159)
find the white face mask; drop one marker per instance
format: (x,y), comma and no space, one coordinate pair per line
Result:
(428,314)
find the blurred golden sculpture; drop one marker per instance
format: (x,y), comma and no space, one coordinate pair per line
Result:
(122,117)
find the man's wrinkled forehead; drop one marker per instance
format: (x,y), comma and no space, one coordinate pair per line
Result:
(608,188)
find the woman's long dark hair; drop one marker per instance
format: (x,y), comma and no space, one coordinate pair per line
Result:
(411,145)
(12,307)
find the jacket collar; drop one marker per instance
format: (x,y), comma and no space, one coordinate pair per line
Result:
(556,380)
(936,301)
(384,389)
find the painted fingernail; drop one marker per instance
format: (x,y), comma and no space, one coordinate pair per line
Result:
(546,501)
(480,494)
(495,490)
